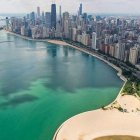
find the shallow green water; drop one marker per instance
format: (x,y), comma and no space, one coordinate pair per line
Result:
(42,85)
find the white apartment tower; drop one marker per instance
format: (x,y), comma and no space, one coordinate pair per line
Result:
(133,56)
(94,41)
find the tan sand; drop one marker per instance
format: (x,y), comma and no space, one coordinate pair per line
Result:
(98,123)
(130,103)
(58,42)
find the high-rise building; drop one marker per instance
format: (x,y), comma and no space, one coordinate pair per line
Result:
(60,18)
(43,18)
(85,18)
(38,12)
(58,33)
(133,57)
(99,29)
(80,9)
(22,30)
(60,15)
(117,48)
(66,24)
(32,18)
(122,51)
(107,39)
(65,16)
(94,41)
(7,23)
(85,39)
(74,33)
(53,16)
(28,16)
(48,19)
(112,50)
(66,29)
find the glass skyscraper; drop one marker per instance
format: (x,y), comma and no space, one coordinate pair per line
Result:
(53,16)
(80,9)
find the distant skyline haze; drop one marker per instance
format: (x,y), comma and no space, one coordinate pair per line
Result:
(89,6)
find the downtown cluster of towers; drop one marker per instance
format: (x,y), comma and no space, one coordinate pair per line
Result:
(118,37)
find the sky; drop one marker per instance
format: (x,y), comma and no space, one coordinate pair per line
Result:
(89,6)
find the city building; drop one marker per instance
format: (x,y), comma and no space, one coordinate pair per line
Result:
(94,41)
(113,36)
(53,16)
(133,57)
(48,19)
(38,12)
(80,9)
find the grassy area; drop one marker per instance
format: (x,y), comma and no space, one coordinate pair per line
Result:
(132,87)
(128,88)
(118,138)
(138,88)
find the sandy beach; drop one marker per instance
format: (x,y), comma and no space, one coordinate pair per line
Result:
(58,42)
(94,124)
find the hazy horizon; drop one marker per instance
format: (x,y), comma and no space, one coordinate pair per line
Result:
(89,6)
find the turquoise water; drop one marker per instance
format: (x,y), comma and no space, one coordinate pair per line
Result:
(42,85)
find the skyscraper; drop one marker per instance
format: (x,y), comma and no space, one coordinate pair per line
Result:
(43,18)
(53,16)
(38,12)
(60,16)
(94,41)
(122,51)
(48,19)
(32,17)
(133,57)
(99,29)
(60,12)
(66,24)
(7,23)
(80,9)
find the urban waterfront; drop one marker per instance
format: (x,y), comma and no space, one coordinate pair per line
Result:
(42,85)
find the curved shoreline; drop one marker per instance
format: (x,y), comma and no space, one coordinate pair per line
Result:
(114,123)
(80,49)
(87,52)
(57,131)
(100,58)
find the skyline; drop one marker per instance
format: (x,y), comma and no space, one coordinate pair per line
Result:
(89,6)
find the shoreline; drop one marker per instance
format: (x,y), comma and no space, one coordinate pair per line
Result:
(57,42)
(61,126)
(25,37)
(119,73)
(94,55)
